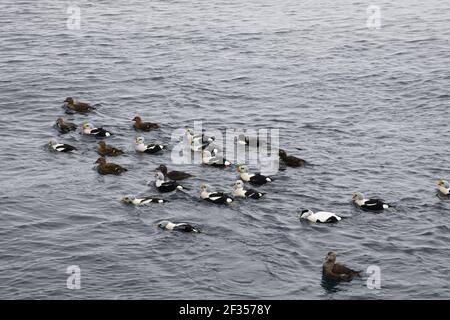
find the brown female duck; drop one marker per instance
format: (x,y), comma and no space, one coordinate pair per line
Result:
(335,271)
(139,125)
(106,150)
(65,127)
(291,161)
(76,106)
(109,168)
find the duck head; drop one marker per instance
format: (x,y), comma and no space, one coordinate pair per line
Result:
(239,184)
(69,100)
(101,161)
(162,168)
(444,184)
(126,199)
(356,196)
(139,140)
(241,169)
(331,257)
(306,213)
(86,125)
(163,224)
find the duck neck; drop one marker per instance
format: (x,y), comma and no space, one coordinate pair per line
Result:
(204,194)
(245,176)
(444,190)
(240,192)
(141,147)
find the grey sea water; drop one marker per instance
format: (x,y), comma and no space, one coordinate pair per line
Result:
(368,107)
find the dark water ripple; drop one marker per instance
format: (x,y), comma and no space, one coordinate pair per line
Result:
(369,109)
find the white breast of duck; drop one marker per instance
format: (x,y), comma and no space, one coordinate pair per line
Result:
(141,147)
(239,192)
(204,194)
(159,182)
(444,190)
(246,176)
(360,202)
(171,226)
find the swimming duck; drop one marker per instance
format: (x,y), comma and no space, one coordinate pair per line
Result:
(108,168)
(240,192)
(173,175)
(444,187)
(321,216)
(197,142)
(336,271)
(255,178)
(369,204)
(189,135)
(142,201)
(214,161)
(106,150)
(65,127)
(183,227)
(61,147)
(151,148)
(139,125)
(88,129)
(290,161)
(78,106)
(166,186)
(214,197)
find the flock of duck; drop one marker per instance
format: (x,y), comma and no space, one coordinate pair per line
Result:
(169,181)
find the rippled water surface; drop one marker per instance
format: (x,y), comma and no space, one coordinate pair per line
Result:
(368,108)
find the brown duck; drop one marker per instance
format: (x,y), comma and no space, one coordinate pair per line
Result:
(78,106)
(109,168)
(64,127)
(173,175)
(106,150)
(335,271)
(291,161)
(144,126)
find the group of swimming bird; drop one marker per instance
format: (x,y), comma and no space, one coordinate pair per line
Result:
(168,181)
